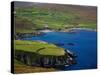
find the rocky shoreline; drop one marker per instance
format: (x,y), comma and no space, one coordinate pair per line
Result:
(85,29)
(45,60)
(42,32)
(31,58)
(26,35)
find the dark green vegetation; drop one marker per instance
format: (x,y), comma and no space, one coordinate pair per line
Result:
(36,16)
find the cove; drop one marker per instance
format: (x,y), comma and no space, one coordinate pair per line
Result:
(82,42)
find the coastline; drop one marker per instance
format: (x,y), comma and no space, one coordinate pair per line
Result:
(72,29)
(89,29)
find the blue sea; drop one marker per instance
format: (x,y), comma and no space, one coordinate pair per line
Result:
(84,46)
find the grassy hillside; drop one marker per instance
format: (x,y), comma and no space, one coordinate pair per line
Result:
(41,48)
(36,16)
(19,67)
(38,47)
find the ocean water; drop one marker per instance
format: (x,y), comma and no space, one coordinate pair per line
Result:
(82,42)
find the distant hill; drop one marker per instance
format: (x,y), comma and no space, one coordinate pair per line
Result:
(87,11)
(55,15)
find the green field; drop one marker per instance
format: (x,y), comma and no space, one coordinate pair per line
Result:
(31,18)
(34,46)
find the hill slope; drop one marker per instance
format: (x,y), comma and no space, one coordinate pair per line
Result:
(32,16)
